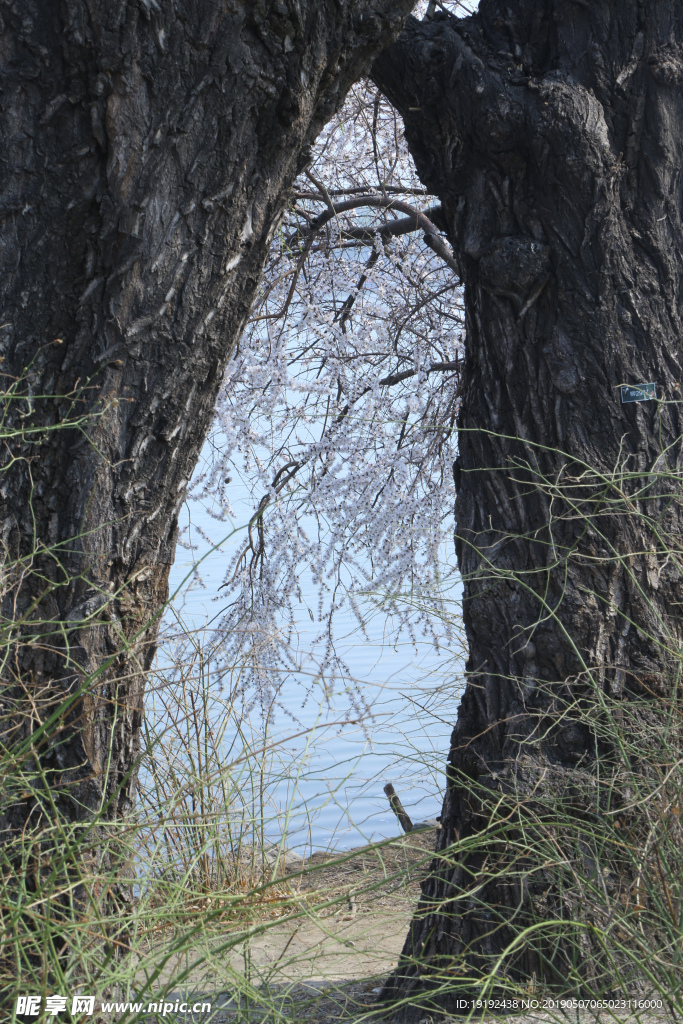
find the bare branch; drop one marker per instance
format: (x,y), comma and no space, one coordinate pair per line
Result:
(396,378)
(418,218)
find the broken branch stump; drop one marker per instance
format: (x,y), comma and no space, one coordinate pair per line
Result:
(397,808)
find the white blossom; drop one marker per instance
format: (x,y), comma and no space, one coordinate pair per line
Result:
(349,463)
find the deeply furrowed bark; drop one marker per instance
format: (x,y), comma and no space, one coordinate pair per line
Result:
(551,132)
(147,154)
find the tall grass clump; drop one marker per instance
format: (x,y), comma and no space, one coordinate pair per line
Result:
(591,867)
(83,893)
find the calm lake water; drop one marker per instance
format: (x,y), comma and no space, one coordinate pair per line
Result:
(331,778)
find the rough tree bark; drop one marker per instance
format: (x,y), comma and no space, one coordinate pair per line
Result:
(551,132)
(147,153)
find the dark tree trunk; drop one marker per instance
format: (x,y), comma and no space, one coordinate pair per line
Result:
(147,152)
(551,130)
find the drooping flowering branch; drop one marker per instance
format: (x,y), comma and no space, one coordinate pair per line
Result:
(339,408)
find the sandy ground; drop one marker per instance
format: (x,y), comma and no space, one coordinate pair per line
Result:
(345,922)
(345,918)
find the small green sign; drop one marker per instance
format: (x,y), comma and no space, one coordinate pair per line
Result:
(638,393)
